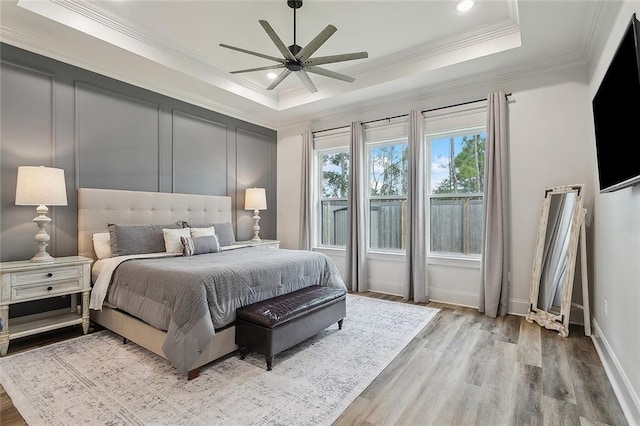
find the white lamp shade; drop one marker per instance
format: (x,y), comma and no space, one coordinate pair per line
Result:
(39,185)
(255,199)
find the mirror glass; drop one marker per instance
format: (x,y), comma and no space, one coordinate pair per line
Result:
(554,262)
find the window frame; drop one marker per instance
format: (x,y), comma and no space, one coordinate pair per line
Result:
(319,154)
(368,145)
(428,137)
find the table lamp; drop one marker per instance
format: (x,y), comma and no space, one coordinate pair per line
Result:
(255,199)
(41,186)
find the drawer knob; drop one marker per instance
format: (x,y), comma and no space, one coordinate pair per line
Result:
(49,288)
(49,275)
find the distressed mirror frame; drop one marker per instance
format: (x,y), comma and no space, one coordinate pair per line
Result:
(544,318)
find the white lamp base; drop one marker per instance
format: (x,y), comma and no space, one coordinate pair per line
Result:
(42,238)
(256,228)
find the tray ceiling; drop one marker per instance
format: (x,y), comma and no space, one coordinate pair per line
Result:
(173,46)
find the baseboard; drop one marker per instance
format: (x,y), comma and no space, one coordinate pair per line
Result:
(386,287)
(627,396)
(453,297)
(518,307)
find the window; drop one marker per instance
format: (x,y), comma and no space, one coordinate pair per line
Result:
(454,167)
(334,186)
(387,164)
(457,185)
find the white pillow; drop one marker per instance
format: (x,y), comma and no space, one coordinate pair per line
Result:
(203,232)
(172,241)
(102,245)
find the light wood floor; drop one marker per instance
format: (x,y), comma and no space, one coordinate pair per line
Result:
(465,368)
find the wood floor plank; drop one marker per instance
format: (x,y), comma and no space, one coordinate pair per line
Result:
(396,397)
(527,408)
(595,397)
(587,422)
(437,390)
(392,373)
(478,366)
(529,344)
(441,330)
(461,406)
(556,375)
(356,414)
(510,330)
(501,377)
(558,412)
(506,328)
(502,366)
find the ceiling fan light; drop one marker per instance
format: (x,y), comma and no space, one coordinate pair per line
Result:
(465,5)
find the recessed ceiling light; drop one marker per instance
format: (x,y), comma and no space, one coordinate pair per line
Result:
(465,5)
(272,75)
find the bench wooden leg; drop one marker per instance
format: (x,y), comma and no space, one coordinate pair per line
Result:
(269,362)
(243,352)
(340,324)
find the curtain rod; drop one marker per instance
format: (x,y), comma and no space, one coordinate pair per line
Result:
(460,104)
(404,115)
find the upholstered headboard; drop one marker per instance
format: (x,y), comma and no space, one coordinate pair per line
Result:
(98,207)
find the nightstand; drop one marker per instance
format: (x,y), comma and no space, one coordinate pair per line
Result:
(23,281)
(263,243)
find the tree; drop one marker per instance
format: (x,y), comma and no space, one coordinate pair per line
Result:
(388,172)
(466,171)
(335,175)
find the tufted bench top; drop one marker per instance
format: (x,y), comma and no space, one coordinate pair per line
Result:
(280,309)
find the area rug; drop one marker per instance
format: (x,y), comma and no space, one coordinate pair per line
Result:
(98,380)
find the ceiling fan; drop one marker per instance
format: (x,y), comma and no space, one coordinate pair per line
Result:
(298,59)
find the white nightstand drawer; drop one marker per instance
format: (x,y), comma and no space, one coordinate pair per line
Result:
(25,292)
(47,275)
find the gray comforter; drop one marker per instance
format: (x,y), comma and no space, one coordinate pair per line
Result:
(190,297)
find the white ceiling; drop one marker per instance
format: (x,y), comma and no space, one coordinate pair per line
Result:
(172,47)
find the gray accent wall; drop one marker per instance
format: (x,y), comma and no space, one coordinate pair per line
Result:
(106,133)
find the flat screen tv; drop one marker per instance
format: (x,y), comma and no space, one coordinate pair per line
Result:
(616,115)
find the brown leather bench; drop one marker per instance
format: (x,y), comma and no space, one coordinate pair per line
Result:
(273,325)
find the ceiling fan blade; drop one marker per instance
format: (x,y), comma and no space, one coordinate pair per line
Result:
(314,44)
(336,58)
(279,78)
(239,49)
(270,67)
(327,73)
(276,40)
(304,77)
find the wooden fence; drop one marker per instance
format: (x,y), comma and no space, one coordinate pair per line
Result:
(456,225)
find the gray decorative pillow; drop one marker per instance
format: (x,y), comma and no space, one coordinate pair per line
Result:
(200,245)
(224,231)
(138,239)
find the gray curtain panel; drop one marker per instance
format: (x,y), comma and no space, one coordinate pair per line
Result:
(416,213)
(304,242)
(356,253)
(496,253)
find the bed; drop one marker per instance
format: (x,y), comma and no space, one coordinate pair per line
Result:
(194,324)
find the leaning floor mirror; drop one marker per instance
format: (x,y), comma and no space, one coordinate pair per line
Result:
(555,257)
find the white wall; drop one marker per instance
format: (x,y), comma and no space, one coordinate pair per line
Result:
(289,188)
(551,144)
(616,263)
